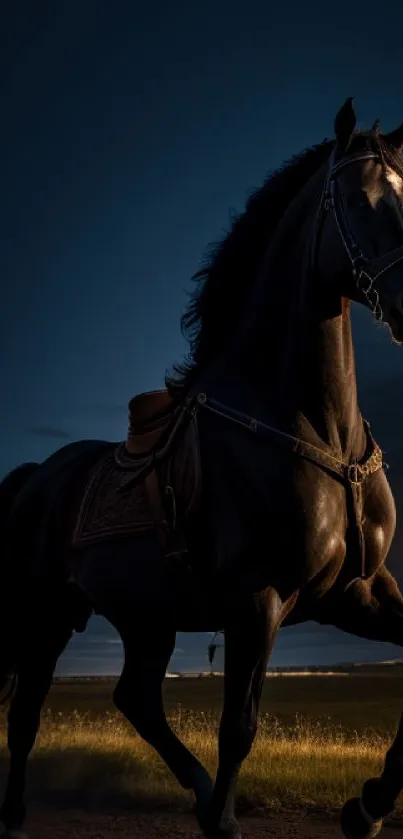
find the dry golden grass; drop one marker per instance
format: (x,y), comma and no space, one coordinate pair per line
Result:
(97,762)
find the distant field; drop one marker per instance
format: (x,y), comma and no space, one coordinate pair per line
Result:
(319,738)
(355,703)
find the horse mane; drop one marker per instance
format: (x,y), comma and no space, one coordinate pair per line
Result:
(230,267)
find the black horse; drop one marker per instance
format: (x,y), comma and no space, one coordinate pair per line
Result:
(291,517)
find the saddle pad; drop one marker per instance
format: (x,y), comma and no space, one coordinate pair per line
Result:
(40,516)
(113,505)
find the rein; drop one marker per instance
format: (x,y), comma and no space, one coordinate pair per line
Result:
(351,473)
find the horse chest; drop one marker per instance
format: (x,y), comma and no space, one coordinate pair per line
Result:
(333,531)
(349,530)
(378,521)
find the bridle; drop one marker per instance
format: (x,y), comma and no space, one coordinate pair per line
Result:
(366,272)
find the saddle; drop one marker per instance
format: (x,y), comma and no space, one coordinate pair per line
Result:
(150,481)
(150,415)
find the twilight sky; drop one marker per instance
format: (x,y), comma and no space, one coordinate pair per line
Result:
(129,131)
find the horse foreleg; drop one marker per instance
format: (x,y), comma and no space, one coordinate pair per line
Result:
(362,818)
(138,695)
(370,609)
(248,643)
(35,670)
(374,609)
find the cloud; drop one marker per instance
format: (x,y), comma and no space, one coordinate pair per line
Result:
(49,431)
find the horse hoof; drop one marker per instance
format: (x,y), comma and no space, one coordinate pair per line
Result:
(229,830)
(356,823)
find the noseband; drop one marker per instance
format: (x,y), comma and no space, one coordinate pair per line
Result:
(365,271)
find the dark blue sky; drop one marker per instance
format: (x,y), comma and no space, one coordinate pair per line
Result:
(129,131)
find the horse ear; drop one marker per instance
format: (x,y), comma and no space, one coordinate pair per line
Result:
(395,138)
(344,125)
(376,128)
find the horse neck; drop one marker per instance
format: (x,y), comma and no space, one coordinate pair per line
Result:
(325,405)
(297,348)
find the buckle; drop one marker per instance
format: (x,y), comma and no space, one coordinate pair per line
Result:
(364,276)
(355,474)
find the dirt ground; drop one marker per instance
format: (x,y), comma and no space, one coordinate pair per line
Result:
(79,824)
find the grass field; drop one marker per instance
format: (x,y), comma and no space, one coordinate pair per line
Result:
(320,737)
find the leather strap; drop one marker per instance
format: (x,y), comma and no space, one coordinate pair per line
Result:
(351,473)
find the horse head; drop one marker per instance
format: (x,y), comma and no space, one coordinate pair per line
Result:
(357,244)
